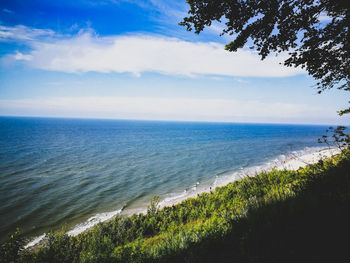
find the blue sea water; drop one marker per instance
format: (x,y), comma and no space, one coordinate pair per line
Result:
(75,172)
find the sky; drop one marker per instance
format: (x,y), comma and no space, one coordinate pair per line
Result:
(129,59)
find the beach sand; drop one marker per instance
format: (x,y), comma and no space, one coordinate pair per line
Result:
(294,163)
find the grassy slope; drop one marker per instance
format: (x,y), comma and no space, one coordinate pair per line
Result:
(278,216)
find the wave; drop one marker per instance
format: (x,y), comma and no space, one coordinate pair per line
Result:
(35,241)
(94,220)
(172,197)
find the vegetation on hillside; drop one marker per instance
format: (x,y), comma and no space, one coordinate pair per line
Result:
(274,216)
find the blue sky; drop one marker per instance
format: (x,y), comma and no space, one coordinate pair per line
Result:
(129,59)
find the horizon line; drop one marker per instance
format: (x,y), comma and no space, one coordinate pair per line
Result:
(165,120)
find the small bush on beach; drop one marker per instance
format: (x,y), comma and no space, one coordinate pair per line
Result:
(275,216)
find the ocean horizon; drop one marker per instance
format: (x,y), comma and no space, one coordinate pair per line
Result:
(73,173)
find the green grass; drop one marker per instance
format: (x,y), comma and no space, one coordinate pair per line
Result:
(276,216)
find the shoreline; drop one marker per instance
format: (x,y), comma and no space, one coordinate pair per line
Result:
(292,163)
(282,162)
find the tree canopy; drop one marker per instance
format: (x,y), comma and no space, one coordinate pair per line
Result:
(314,33)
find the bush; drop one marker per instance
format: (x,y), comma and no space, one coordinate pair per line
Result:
(10,251)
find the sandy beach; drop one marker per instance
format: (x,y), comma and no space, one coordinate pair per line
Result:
(294,163)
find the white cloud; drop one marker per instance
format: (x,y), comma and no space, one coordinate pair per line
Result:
(135,54)
(21,56)
(185,109)
(23,33)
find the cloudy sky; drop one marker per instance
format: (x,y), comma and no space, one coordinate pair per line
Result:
(129,59)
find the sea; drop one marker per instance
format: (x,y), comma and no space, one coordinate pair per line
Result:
(70,174)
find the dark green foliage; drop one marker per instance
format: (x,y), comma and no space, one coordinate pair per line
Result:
(153,207)
(276,216)
(322,49)
(59,247)
(9,251)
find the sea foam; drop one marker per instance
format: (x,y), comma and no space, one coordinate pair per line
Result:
(94,220)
